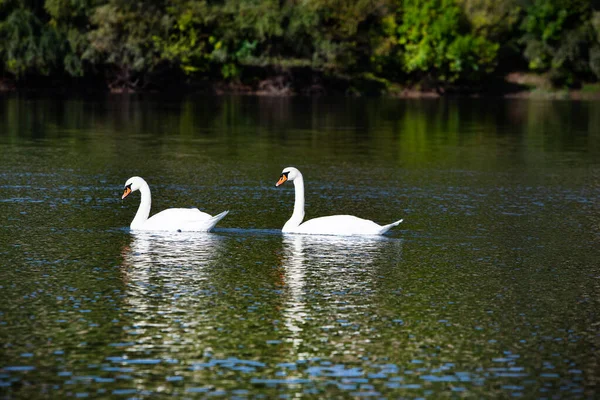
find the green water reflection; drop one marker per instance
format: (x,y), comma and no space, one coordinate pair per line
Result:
(489,288)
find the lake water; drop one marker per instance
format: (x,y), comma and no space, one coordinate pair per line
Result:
(489,288)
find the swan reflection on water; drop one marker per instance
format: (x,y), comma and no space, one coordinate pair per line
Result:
(323,277)
(173,258)
(331,266)
(166,275)
(339,250)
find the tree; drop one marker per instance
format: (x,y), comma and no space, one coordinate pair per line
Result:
(28,45)
(495,20)
(70,20)
(437,41)
(124,41)
(559,37)
(187,43)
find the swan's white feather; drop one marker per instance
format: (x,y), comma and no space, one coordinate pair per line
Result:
(172,219)
(331,225)
(341,225)
(181,219)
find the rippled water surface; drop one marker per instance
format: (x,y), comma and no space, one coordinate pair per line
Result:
(489,288)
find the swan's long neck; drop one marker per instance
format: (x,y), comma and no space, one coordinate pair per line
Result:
(298,214)
(143,211)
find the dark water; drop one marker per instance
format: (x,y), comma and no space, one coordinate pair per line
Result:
(490,287)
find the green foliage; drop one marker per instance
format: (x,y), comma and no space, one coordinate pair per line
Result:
(492,19)
(43,37)
(372,44)
(124,40)
(244,34)
(70,19)
(187,42)
(28,45)
(341,35)
(557,37)
(595,48)
(436,40)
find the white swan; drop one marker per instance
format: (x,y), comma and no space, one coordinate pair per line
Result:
(332,225)
(172,219)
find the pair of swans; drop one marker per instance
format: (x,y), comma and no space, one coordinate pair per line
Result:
(192,219)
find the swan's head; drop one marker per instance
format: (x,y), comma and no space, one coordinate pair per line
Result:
(288,174)
(134,183)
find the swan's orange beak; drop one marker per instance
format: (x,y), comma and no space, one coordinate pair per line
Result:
(126,192)
(281,180)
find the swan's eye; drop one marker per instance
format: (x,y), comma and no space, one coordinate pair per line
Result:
(285,174)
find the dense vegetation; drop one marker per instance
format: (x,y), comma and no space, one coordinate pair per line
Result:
(297,45)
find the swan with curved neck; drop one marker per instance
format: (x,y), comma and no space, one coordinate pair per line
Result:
(172,219)
(331,225)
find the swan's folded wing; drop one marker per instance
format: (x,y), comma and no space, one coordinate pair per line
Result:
(174,219)
(339,225)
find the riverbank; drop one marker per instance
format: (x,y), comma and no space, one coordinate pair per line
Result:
(294,83)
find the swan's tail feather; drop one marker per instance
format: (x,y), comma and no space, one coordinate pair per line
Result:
(214,220)
(387,227)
